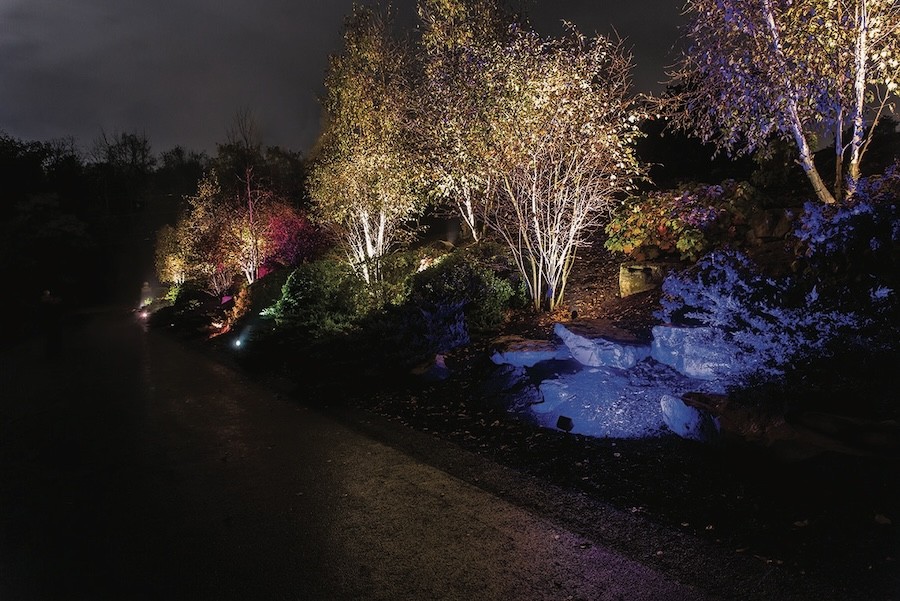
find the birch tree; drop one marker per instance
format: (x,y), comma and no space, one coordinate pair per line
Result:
(457,38)
(562,140)
(362,179)
(794,69)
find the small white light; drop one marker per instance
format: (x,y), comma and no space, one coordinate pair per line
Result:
(237,342)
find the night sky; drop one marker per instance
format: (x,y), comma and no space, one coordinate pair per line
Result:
(179,71)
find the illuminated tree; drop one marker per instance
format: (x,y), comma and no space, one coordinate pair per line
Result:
(257,223)
(242,196)
(291,237)
(562,144)
(362,179)
(172,261)
(203,234)
(457,37)
(755,69)
(246,228)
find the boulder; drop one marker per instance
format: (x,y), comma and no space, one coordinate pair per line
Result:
(687,421)
(698,352)
(638,277)
(434,370)
(600,402)
(510,387)
(772,224)
(600,351)
(523,352)
(798,436)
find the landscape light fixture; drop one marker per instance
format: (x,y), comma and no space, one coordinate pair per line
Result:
(565,423)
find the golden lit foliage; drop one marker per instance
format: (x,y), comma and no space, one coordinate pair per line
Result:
(458,37)
(362,179)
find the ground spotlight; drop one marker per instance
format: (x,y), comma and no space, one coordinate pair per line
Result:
(565,423)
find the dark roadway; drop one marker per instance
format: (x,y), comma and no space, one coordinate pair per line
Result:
(135,468)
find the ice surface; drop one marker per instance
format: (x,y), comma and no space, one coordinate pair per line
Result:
(613,403)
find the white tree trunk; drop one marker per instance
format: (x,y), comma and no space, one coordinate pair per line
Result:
(368,237)
(806,160)
(859,93)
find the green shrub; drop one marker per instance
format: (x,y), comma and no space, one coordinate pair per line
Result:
(465,281)
(686,223)
(319,299)
(171,295)
(464,290)
(397,272)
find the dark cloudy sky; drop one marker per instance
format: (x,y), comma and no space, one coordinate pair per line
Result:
(178,70)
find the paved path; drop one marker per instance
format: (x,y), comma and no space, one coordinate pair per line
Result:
(133,468)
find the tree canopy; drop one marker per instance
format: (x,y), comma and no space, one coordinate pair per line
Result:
(363,177)
(562,145)
(792,69)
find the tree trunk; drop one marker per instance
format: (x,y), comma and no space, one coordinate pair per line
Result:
(839,156)
(806,160)
(815,179)
(859,90)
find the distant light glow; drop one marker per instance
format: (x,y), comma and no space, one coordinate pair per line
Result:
(237,342)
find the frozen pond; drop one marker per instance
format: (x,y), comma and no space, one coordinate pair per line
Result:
(613,403)
(599,387)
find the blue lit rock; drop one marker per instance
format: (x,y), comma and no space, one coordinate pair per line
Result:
(600,351)
(688,422)
(616,387)
(522,352)
(697,352)
(602,402)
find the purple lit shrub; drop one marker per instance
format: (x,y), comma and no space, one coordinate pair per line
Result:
(293,238)
(685,223)
(851,251)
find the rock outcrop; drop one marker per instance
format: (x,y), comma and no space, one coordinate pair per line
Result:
(596,344)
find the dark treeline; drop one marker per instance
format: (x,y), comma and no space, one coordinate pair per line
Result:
(80,223)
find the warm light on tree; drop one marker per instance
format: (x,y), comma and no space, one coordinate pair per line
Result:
(202,230)
(362,178)
(562,143)
(171,256)
(457,39)
(795,69)
(222,234)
